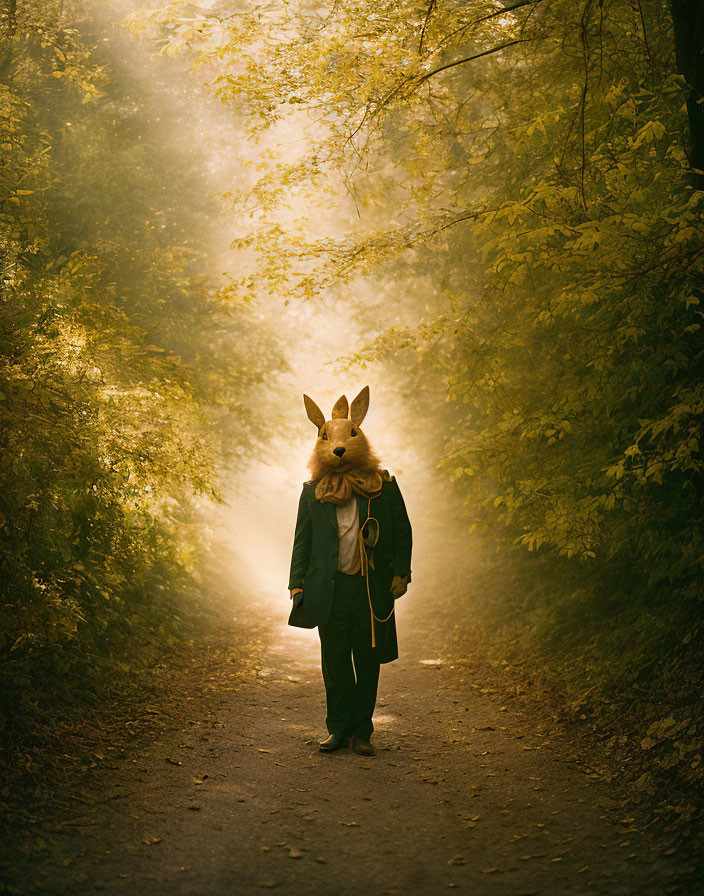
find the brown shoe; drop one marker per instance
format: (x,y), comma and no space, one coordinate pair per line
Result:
(334,742)
(362,746)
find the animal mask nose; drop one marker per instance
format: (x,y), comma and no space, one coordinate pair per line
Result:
(339,451)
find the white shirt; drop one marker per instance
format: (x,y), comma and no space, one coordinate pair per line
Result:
(348,559)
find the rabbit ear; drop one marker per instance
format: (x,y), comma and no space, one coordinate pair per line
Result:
(340,408)
(360,406)
(315,415)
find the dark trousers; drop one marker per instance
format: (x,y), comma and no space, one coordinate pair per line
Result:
(350,690)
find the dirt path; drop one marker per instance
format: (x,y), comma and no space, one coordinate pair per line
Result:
(461,794)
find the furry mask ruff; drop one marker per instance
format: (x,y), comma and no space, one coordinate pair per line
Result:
(343,462)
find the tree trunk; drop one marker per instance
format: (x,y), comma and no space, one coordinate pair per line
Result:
(688,19)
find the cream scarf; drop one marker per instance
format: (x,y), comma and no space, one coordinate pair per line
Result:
(335,487)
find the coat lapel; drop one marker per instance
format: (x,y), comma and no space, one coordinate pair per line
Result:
(330,513)
(362,508)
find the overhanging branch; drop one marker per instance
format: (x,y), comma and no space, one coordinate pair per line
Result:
(491,15)
(442,68)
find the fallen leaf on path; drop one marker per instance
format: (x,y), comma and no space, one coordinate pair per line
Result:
(457,860)
(172,761)
(294,853)
(151,840)
(349,824)
(492,870)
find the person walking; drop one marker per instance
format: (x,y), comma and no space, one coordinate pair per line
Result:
(351,561)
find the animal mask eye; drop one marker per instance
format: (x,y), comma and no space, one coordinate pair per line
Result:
(324,436)
(354,432)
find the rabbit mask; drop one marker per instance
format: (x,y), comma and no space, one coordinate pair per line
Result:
(342,460)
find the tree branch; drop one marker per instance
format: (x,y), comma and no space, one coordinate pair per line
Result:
(431,7)
(442,68)
(492,15)
(584,25)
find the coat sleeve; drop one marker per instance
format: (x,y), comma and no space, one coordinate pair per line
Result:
(404,537)
(302,542)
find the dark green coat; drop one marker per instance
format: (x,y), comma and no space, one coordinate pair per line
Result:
(314,560)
